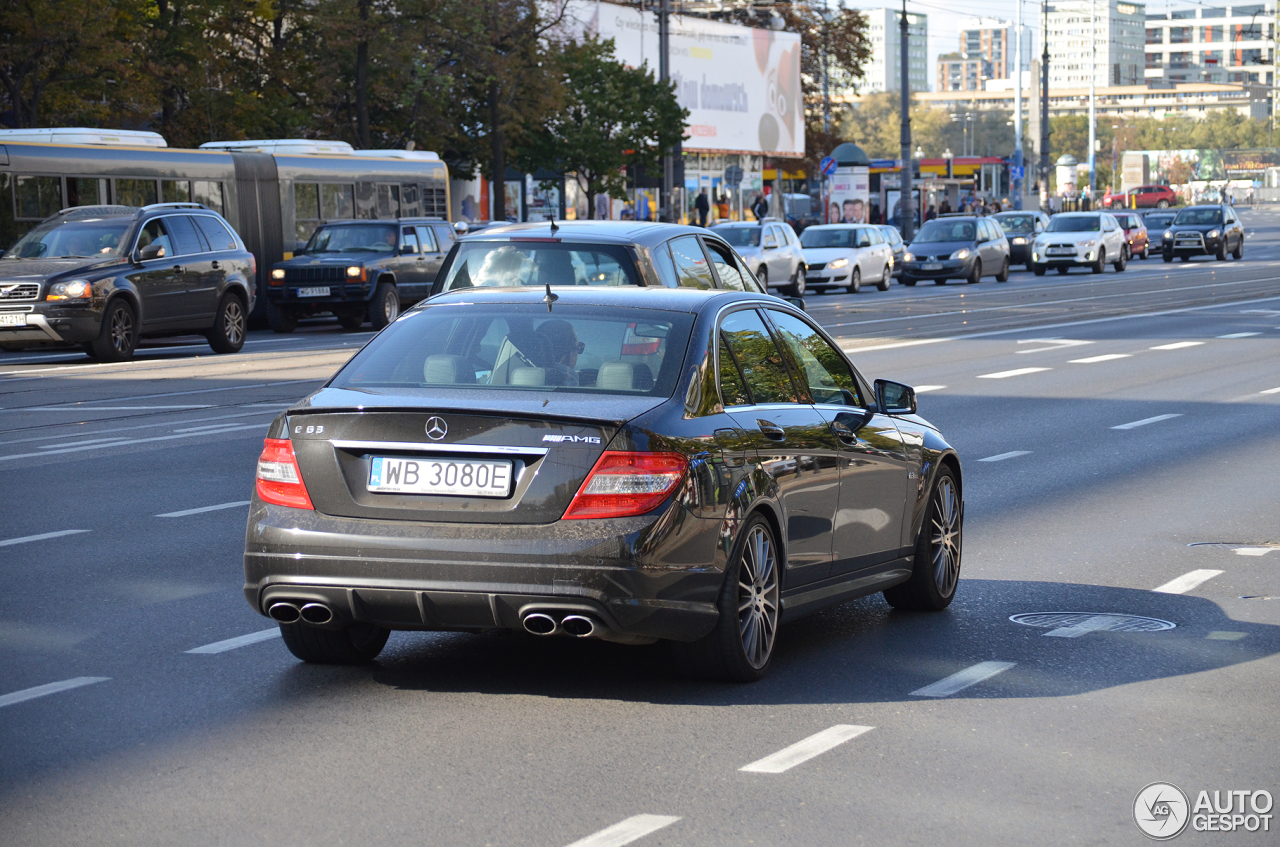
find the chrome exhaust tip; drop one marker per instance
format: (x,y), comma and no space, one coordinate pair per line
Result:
(578,626)
(284,613)
(539,624)
(317,613)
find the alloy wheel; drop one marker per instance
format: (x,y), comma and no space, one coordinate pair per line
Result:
(758,597)
(121,330)
(233,322)
(944,546)
(391,305)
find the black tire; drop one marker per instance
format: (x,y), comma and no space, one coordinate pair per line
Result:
(936,571)
(1186,257)
(722,655)
(762,276)
(227,335)
(1038,270)
(1221,255)
(353,645)
(885,277)
(118,336)
(1100,262)
(281,319)
(18,348)
(1162,204)
(1146,252)
(385,305)
(940,281)
(855,280)
(796,288)
(1063,269)
(351,320)
(975,275)
(1003,276)
(908,281)
(1238,253)
(1167,256)
(1123,262)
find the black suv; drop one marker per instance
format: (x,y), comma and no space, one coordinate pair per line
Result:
(1204,231)
(354,268)
(104,276)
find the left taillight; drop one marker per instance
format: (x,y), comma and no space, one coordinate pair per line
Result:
(279,480)
(623,484)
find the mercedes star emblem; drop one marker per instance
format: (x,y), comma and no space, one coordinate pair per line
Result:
(436,428)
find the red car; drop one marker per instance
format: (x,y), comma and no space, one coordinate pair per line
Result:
(1145,197)
(1136,233)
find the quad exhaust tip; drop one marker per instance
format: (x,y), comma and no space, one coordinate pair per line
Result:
(578,626)
(540,624)
(284,613)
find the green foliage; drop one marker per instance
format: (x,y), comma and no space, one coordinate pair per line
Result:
(873,124)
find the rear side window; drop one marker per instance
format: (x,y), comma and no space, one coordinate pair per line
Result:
(726,268)
(733,391)
(828,375)
(762,365)
(215,232)
(692,270)
(185,239)
(427,239)
(445,236)
(408,240)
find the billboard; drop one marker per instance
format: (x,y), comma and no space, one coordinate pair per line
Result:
(850,193)
(740,85)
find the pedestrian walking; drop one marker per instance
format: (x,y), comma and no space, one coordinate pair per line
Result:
(760,208)
(703,207)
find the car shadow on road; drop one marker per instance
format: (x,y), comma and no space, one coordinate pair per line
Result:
(862,651)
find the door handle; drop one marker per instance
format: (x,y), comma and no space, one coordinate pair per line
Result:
(177,269)
(844,433)
(771,430)
(215,264)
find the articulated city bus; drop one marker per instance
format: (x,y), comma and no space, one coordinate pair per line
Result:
(275,193)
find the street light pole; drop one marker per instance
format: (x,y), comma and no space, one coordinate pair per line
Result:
(1017,112)
(906,216)
(1044,103)
(1093,94)
(664,73)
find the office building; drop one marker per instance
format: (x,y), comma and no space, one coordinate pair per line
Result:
(1099,38)
(1223,44)
(986,53)
(883,72)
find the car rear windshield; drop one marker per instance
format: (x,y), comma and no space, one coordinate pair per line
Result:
(740,236)
(1084,223)
(1198,217)
(73,239)
(354,238)
(474,347)
(939,231)
(506,264)
(1018,224)
(817,239)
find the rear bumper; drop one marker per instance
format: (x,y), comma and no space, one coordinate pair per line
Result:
(653,576)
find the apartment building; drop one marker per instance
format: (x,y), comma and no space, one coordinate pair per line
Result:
(1222,44)
(1102,39)
(884,71)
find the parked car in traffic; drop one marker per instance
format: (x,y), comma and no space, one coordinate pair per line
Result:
(103,277)
(358,269)
(1135,231)
(846,255)
(617,462)
(1145,197)
(1021,228)
(772,250)
(1209,230)
(957,247)
(896,243)
(1080,239)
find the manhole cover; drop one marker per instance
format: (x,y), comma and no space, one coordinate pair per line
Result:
(1075,624)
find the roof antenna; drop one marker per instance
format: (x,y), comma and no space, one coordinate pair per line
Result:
(554,228)
(550,298)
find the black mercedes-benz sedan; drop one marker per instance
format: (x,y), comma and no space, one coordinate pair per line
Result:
(1204,231)
(626,463)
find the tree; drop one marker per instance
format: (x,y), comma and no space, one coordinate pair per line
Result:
(612,117)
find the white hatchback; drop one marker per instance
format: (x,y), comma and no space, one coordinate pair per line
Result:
(846,255)
(1089,239)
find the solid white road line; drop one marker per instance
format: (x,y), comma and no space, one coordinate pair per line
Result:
(51,688)
(1086,626)
(1000,457)
(69,436)
(110,408)
(1270,391)
(1015,372)
(1186,582)
(802,751)
(1240,335)
(920,389)
(1178,345)
(961,680)
(257,427)
(72,441)
(632,829)
(1145,421)
(895,345)
(202,509)
(41,537)
(239,641)
(1106,358)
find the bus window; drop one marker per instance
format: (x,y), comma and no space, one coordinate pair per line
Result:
(366,202)
(435,203)
(339,202)
(306,208)
(409,201)
(86,192)
(388,201)
(207,193)
(175,191)
(135,192)
(39,196)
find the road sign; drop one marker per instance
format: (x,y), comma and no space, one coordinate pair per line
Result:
(733,176)
(827,166)
(1017,172)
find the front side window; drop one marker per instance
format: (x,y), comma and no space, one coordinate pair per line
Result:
(762,365)
(821,367)
(354,238)
(507,264)
(71,239)
(155,233)
(692,270)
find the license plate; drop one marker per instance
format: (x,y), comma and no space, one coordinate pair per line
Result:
(459,477)
(931,266)
(320,291)
(1061,251)
(13,320)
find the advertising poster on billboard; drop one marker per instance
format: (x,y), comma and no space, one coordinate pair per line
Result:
(850,194)
(740,85)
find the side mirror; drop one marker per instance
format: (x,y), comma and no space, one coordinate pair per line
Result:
(151,251)
(299,247)
(894,398)
(798,302)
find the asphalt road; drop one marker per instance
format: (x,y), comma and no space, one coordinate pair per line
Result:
(1111,426)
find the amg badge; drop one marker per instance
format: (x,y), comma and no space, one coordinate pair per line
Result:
(572,439)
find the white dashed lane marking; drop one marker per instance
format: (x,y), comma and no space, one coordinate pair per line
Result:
(1145,421)
(1000,457)
(1186,582)
(51,688)
(1092,360)
(1270,391)
(203,509)
(77,449)
(920,389)
(239,641)
(1240,335)
(1178,345)
(1014,372)
(41,537)
(802,751)
(632,829)
(963,679)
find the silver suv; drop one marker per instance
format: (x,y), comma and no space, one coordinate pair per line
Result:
(772,251)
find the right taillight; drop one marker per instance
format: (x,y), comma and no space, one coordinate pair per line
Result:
(279,480)
(624,483)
